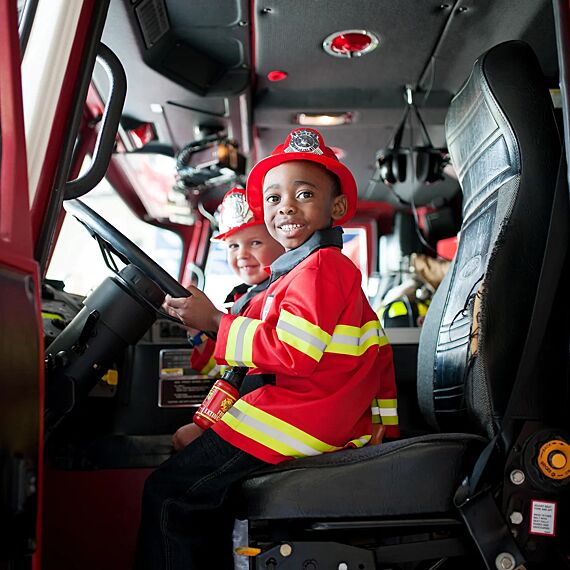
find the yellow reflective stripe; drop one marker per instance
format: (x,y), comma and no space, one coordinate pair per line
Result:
(350,350)
(369,326)
(359,442)
(301,345)
(305,325)
(422,309)
(397,309)
(301,334)
(355,341)
(231,341)
(209,365)
(375,412)
(273,432)
(349,330)
(239,346)
(247,357)
(388,409)
(373,340)
(390,420)
(259,436)
(285,427)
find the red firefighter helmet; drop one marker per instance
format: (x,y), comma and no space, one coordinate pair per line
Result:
(302,144)
(235,214)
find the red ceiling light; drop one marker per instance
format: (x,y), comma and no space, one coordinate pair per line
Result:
(350,43)
(277,75)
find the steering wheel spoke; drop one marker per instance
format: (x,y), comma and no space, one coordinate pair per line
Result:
(123,247)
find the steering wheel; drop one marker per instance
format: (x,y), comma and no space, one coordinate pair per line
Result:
(124,248)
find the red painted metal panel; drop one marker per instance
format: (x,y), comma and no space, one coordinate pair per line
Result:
(14,225)
(91,518)
(17,263)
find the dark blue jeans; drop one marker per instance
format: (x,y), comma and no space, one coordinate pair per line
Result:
(186,520)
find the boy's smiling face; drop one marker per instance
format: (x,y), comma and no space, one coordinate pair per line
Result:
(250,250)
(299,198)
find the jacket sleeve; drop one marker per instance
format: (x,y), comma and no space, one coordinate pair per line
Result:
(295,334)
(385,405)
(202,357)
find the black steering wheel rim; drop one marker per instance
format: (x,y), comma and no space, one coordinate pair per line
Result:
(124,247)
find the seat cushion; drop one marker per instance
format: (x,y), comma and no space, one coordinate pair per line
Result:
(406,477)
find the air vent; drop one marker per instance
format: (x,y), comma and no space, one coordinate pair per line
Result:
(153,20)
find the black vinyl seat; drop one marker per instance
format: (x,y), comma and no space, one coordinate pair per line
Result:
(374,481)
(505,147)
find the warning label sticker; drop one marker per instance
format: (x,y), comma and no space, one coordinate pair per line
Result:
(542,518)
(183,392)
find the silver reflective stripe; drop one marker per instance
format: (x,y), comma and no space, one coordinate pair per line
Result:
(240,335)
(388,412)
(368,334)
(345,339)
(272,432)
(354,340)
(301,334)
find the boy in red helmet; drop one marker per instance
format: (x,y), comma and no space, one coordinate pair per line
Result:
(250,250)
(313,329)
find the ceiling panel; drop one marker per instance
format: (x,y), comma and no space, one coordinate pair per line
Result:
(290,36)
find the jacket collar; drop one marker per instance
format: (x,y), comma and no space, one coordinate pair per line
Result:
(330,237)
(245,299)
(240,289)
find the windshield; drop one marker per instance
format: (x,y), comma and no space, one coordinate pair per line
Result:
(77,260)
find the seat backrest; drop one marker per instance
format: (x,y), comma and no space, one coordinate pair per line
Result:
(504,144)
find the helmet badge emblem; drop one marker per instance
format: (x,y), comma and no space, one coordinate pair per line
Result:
(303,140)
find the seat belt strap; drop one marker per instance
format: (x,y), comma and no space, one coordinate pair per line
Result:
(489,531)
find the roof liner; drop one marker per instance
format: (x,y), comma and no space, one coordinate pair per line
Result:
(430,45)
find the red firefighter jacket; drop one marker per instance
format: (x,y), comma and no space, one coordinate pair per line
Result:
(318,334)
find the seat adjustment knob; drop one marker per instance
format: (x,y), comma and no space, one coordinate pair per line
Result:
(554,459)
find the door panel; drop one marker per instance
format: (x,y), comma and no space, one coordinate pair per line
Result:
(21,368)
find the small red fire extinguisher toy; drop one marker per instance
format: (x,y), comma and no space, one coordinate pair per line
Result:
(221,397)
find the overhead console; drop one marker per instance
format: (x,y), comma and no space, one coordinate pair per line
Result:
(202,45)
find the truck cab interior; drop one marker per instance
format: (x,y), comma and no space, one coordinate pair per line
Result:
(124,123)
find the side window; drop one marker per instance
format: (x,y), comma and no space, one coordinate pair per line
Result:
(77,260)
(354,240)
(220,279)
(356,249)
